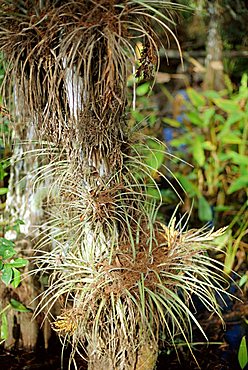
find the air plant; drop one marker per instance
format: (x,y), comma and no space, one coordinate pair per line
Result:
(119,276)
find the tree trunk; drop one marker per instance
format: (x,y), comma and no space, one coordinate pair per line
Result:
(214,78)
(25,204)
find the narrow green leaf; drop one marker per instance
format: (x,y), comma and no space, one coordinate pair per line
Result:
(207,115)
(227,105)
(244,82)
(230,138)
(235,117)
(211,94)
(207,145)
(7,274)
(16,278)
(171,122)
(204,210)
(4,326)
(182,140)
(238,184)
(190,188)
(195,118)
(238,158)
(198,151)
(242,354)
(18,306)
(196,99)
(243,280)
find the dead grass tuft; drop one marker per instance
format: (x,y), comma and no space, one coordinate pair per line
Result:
(70,61)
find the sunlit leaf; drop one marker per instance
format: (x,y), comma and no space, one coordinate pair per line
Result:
(230,138)
(143,89)
(6,248)
(227,105)
(6,253)
(238,184)
(243,280)
(198,151)
(195,118)
(243,84)
(3,191)
(207,115)
(19,262)
(171,122)
(16,226)
(238,158)
(197,99)
(235,117)
(16,278)
(207,145)
(211,94)
(6,243)
(243,354)
(7,274)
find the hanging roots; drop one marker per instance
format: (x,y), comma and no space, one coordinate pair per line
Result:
(69,62)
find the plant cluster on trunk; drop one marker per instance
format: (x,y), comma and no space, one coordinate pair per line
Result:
(120,277)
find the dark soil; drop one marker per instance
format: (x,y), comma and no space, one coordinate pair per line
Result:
(212,356)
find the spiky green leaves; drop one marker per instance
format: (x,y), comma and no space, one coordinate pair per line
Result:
(127,296)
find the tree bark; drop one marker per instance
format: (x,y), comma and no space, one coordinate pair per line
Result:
(25,204)
(214,77)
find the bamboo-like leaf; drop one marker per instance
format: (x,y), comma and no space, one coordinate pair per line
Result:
(243,353)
